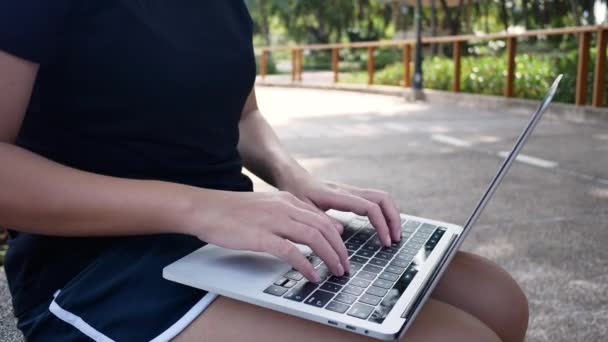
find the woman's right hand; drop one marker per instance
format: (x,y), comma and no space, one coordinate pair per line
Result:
(267,222)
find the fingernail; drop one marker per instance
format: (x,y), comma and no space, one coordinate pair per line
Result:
(340,270)
(315,277)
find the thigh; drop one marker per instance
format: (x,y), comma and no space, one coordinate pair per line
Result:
(483,289)
(230,320)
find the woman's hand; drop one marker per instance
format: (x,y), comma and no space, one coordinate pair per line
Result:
(377,205)
(264,222)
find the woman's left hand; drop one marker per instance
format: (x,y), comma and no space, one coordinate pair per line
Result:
(377,205)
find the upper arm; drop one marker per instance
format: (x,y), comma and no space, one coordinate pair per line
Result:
(251,104)
(17,78)
(31,33)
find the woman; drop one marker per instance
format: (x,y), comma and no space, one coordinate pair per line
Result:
(124,126)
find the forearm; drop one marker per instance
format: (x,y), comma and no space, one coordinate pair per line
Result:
(43,197)
(263,154)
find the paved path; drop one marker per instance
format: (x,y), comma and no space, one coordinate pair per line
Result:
(547,224)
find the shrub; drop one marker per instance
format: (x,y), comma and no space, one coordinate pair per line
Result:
(486,75)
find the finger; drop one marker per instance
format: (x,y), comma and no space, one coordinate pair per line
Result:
(325,226)
(305,234)
(388,207)
(285,250)
(361,206)
(310,206)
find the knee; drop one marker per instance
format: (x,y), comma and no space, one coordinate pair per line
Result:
(506,302)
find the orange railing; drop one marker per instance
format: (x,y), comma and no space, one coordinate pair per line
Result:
(584,41)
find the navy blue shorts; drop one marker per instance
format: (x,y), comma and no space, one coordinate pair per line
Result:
(122,296)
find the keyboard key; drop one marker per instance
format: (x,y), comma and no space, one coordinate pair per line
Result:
(337,307)
(375,241)
(372,269)
(365,253)
(371,248)
(366,275)
(338,280)
(407,277)
(378,262)
(331,287)
(359,259)
(357,241)
(370,299)
(281,281)
(295,275)
(385,284)
(389,250)
(289,284)
(412,224)
(349,252)
(404,257)
(427,227)
(368,230)
(345,298)
(324,272)
(351,246)
(395,269)
(353,290)
(376,291)
(383,256)
(360,311)
(301,291)
(315,260)
(319,298)
(354,267)
(389,276)
(275,290)
(399,263)
(360,282)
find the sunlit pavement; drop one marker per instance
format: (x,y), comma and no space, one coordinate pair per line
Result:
(547,225)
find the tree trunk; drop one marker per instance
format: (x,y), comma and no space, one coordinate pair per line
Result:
(504,15)
(264,22)
(524,5)
(575,13)
(486,7)
(433,26)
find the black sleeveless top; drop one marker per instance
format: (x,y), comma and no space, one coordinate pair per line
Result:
(143,89)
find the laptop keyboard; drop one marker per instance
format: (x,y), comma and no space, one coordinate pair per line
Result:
(378,275)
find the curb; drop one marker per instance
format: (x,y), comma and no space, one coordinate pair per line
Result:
(568,112)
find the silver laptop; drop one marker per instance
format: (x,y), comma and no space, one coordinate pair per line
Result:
(386,288)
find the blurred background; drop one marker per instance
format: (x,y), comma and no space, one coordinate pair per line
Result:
(483,64)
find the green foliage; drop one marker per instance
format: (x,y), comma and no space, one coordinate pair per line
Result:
(271,67)
(486,75)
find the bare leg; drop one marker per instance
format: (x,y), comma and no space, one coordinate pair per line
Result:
(484,290)
(230,320)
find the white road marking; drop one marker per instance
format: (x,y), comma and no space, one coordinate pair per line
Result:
(446,139)
(547,164)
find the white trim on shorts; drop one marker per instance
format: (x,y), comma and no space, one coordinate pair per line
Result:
(97,336)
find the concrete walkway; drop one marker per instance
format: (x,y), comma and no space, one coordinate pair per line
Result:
(547,224)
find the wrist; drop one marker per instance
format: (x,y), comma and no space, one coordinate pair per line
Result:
(289,175)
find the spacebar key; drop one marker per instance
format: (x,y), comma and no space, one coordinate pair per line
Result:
(301,291)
